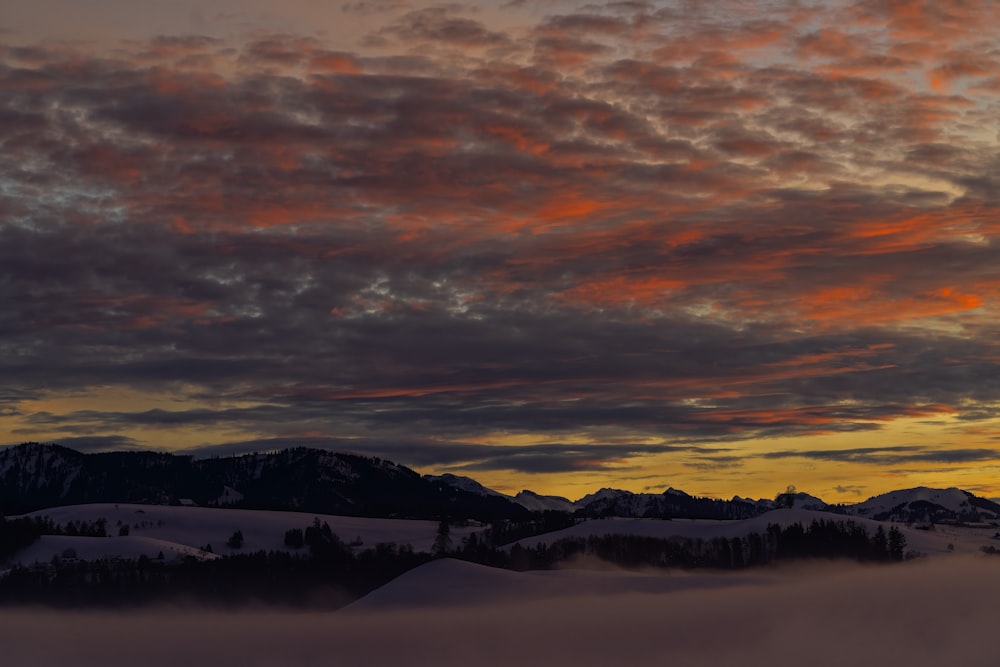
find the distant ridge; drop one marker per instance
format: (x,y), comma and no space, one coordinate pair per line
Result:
(918,505)
(528,499)
(35,476)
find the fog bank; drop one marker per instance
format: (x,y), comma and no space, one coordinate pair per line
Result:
(926,613)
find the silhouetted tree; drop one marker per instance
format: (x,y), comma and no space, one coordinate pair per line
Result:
(294,538)
(442,541)
(897,544)
(235,541)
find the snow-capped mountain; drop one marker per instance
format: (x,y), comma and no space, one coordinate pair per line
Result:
(466,484)
(539,503)
(672,503)
(926,505)
(604,495)
(529,500)
(800,501)
(762,504)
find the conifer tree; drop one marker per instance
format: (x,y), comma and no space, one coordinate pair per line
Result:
(442,542)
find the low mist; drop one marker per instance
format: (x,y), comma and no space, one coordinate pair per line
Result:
(931,612)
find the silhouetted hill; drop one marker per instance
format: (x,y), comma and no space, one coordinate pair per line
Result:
(34,476)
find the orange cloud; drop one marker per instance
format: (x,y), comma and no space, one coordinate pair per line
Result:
(645,290)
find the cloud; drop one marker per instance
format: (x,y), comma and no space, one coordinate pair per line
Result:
(102,443)
(891,455)
(692,226)
(440,24)
(459,456)
(713,462)
(372,6)
(550,458)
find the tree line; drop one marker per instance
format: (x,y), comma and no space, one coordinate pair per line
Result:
(821,539)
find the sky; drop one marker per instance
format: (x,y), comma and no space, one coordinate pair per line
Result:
(720,246)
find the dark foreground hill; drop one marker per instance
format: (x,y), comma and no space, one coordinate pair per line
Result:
(34,476)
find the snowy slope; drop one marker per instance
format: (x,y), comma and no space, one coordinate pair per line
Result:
(195,527)
(449,582)
(99,548)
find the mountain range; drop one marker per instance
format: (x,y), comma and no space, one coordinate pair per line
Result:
(35,476)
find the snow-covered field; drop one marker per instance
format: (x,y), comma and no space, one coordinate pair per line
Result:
(936,611)
(97,548)
(185,530)
(179,531)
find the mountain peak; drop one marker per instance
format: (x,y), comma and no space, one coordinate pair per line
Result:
(925,504)
(539,503)
(465,484)
(603,494)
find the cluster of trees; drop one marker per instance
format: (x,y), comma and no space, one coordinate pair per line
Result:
(826,539)
(838,539)
(235,540)
(330,574)
(319,538)
(16,534)
(820,539)
(506,531)
(96,528)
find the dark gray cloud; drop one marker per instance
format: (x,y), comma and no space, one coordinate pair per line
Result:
(465,456)
(372,6)
(104,443)
(552,458)
(891,455)
(713,462)
(442,24)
